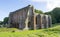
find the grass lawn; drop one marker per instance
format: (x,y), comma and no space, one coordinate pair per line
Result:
(50,32)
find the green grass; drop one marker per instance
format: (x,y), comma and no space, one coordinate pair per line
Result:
(50,32)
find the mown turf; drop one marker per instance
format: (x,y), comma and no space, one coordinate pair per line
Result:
(12,32)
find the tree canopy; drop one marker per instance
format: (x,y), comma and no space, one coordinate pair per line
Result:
(38,11)
(5,21)
(55,13)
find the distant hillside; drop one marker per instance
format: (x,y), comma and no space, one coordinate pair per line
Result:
(55,13)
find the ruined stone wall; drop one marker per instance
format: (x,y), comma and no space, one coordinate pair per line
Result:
(18,18)
(26,18)
(30,18)
(42,21)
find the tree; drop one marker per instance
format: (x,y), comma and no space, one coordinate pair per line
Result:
(6,20)
(38,11)
(1,22)
(55,13)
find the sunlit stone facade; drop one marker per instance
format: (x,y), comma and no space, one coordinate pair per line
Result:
(26,18)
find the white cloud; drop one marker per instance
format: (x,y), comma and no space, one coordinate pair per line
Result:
(50,3)
(38,0)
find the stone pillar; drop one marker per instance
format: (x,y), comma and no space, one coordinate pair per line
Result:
(42,20)
(34,22)
(38,21)
(26,24)
(49,21)
(46,21)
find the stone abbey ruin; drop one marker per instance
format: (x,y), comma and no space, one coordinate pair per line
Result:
(26,18)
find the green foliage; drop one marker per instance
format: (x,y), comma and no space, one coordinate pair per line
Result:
(38,11)
(50,32)
(6,20)
(8,29)
(1,22)
(55,13)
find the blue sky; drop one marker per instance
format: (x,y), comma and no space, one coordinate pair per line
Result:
(7,6)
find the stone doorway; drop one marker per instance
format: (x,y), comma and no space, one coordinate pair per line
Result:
(30,26)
